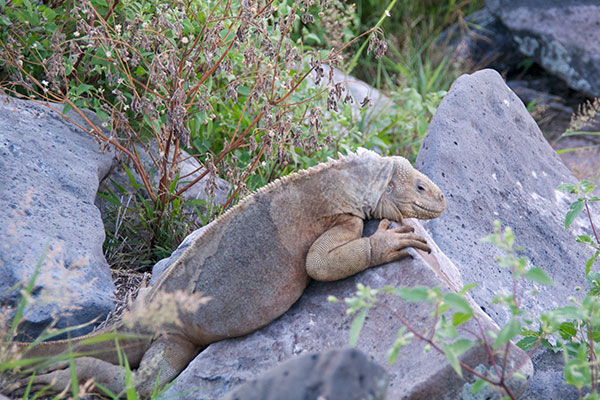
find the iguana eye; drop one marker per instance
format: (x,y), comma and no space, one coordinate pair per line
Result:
(389,188)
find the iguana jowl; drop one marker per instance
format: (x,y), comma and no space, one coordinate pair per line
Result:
(256,260)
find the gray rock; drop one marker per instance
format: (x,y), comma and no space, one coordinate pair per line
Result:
(491,160)
(486,43)
(50,174)
(563,36)
(336,374)
(548,376)
(489,157)
(313,324)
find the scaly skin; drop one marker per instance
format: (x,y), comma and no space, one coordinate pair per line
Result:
(256,260)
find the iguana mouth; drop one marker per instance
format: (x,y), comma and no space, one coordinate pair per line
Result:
(427,209)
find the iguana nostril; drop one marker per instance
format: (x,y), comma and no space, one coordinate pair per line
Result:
(441,196)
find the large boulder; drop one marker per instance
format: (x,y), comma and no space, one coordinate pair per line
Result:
(489,157)
(50,174)
(313,324)
(491,160)
(561,35)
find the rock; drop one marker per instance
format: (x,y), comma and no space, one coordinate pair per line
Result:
(486,43)
(489,157)
(336,374)
(491,160)
(562,36)
(50,174)
(548,376)
(551,112)
(313,324)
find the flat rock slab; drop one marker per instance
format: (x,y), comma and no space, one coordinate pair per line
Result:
(314,324)
(489,157)
(50,174)
(562,36)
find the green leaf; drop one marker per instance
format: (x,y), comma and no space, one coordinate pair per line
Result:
(577,373)
(49,14)
(413,294)
(83,88)
(528,343)
(402,340)
(466,288)
(458,303)
(460,318)
(567,330)
(590,262)
(454,350)
(573,212)
(5,20)
(478,385)
(356,326)
(507,332)
(67,108)
(584,239)
(567,187)
(538,275)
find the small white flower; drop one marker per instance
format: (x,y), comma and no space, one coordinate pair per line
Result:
(108,54)
(34,46)
(44,82)
(76,34)
(387,13)
(126,107)
(185,40)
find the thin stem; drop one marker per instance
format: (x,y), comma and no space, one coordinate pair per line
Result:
(354,60)
(589,214)
(439,349)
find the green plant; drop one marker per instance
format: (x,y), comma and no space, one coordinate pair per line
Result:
(451,312)
(413,28)
(572,329)
(395,125)
(221,79)
(581,120)
(575,329)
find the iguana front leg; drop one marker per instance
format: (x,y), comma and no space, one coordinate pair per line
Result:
(165,358)
(341,251)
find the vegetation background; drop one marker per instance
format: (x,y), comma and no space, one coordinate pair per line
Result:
(237,85)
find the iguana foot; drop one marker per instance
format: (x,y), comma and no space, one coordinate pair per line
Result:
(388,245)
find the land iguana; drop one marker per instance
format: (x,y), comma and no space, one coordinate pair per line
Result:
(256,259)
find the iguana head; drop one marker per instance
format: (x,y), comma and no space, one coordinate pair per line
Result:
(409,194)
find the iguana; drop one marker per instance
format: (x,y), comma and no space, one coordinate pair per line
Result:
(256,259)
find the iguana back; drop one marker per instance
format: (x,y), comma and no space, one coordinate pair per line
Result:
(251,261)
